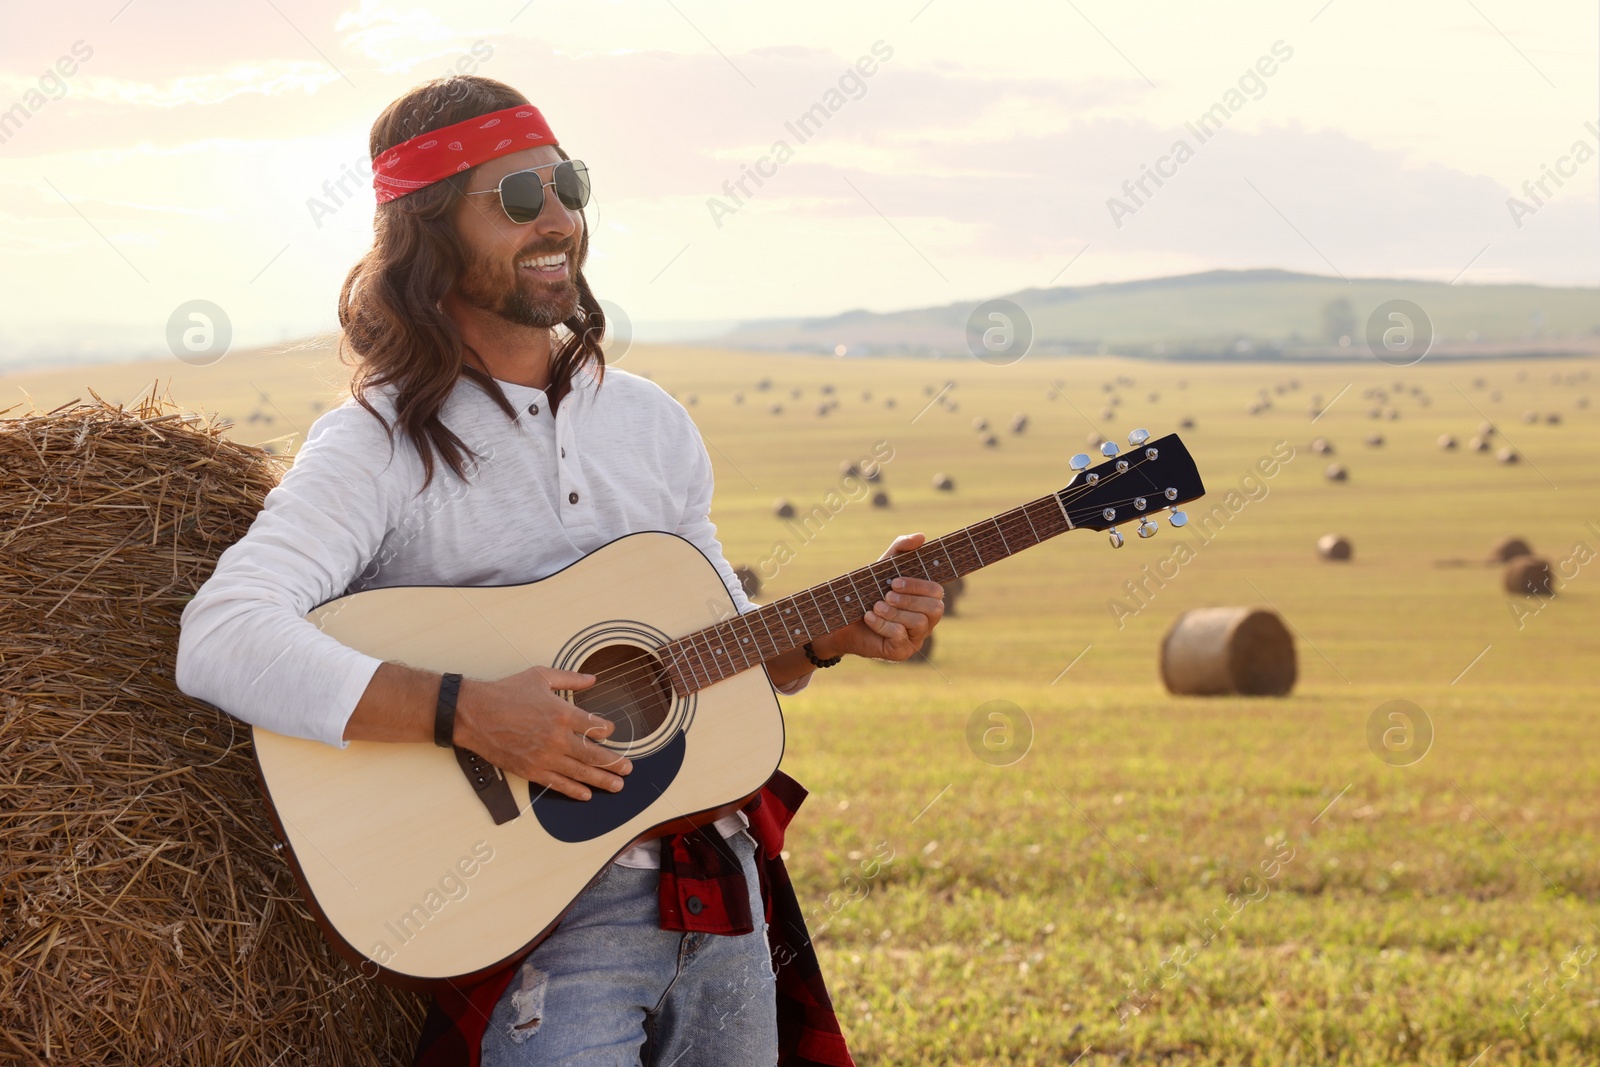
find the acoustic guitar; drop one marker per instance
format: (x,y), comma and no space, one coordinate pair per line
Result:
(424,865)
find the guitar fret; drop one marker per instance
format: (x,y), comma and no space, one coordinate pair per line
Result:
(1001,531)
(1031,529)
(741,645)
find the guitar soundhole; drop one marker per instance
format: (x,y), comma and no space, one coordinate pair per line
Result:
(630,689)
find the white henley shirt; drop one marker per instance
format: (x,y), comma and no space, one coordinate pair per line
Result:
(620,457)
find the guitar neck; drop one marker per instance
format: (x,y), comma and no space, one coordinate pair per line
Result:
(707,656)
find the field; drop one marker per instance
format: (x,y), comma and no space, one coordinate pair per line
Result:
(1123,875)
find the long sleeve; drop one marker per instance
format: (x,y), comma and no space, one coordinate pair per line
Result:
(696,527)
(245,644)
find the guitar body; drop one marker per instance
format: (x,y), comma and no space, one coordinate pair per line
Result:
(411,878)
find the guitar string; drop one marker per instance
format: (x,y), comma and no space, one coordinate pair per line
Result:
(654,670)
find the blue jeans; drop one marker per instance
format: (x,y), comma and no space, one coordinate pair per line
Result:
(611,988)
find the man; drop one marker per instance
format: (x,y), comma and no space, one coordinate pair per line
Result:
(481,448)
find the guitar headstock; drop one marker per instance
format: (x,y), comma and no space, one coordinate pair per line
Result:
(1132,486)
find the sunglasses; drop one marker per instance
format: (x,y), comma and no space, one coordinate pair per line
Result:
(522,192)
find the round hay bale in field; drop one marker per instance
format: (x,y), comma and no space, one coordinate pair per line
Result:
(749,580)
(1217,651)
(954,590)
(1336,473)
(980,424)
(944,483)
(989,440)
(1530,417)
(1478,444)
(849,470)
(1094,440)
(1322,446)
(1447,442)
(1507,455)
(1485,429)
(1553,419)
(880,499)
(1375,440)
(775,408)
(1333,547)
(1186,423)
(888,401)
(1509,548)
(144,916)
(1019,423)
(1529,576)
(782,508)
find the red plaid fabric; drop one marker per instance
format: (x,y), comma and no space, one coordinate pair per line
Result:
(702,889)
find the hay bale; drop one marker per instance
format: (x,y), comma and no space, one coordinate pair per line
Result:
(1530,417)
(775,408)
(144,916)
(1322,446)
(1486,430)
(1019,423)
(849,470)
(989,440)
(880,499)
(749,580)
(782,508)
(1447,442)
(944,483)
(1333,547)
(1507,455)
(1478,444)
(980,424)
(1553,419)
(1336,473)
(1375,440)
(1509,548)
(1185,423)
(1529,576)
(1094,440)
(954,590)
(1216,651)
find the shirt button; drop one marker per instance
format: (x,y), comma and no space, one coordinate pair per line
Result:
(572,498)
(694,905)
(533,409)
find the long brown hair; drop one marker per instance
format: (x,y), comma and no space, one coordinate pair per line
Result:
(389,305)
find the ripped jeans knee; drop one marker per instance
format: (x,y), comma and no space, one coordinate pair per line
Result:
(527,1002)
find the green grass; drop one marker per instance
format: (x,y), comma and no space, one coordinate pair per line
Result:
(1025,904)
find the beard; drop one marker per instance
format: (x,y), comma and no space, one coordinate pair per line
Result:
(524,301)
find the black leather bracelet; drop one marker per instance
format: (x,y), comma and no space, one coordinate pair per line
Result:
(444,714)
(811,655)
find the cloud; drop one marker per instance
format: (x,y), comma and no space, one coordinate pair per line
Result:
(399,41)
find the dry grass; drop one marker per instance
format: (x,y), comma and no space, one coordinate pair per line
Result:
(144,917)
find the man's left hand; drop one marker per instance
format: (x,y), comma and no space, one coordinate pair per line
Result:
(898,624)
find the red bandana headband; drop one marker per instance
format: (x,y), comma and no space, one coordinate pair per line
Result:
(435,155)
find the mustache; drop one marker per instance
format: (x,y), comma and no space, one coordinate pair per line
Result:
(567,246)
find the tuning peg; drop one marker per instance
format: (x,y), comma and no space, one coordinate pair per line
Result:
(1110,514)
(1122,466)
(1091,478)
(1116,537)
(1140,503)
(1148,527)
(1170,493)
(1178,518)
(1109,448)
(1138,437)
(1078,462)
(1151,453)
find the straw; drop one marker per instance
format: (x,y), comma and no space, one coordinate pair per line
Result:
(144,916)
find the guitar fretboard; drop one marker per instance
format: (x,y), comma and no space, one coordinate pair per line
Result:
(707,656)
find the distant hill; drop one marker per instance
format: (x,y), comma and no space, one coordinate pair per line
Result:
(1223,314)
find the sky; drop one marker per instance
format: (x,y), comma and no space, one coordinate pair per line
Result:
(157,152)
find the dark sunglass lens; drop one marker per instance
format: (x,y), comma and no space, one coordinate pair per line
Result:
(572,183)
(522,195)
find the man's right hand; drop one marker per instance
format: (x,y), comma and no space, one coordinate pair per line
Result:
(519,724)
